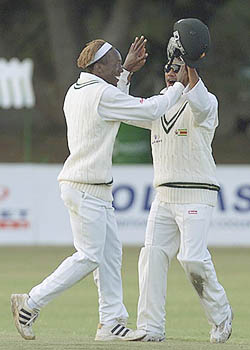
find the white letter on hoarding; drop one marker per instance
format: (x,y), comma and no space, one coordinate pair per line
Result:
(16,89)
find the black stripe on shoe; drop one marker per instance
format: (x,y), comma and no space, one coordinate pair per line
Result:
(120,330)
(24,317)
(26,312)
(24,323)
(125,332)
(115,328)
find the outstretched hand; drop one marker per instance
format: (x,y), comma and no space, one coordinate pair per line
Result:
(192,76)
(137,55)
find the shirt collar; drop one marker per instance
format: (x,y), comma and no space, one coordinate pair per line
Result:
(88,76)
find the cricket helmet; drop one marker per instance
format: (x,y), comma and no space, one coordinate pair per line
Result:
(190,41)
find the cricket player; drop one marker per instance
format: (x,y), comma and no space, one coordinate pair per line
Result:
(94,106)
(186,193)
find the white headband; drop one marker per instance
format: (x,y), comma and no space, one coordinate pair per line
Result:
(100,53)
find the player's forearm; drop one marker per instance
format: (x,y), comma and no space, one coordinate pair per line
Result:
(193,77)
(140,124)
(202,103)
(124,82)
(115,105)
(167,100)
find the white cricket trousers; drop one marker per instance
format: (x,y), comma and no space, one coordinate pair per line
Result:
(173,227)
(98,249)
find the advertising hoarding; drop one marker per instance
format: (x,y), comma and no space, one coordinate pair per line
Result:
(32,213)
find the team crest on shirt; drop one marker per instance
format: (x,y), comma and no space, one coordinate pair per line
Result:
(156,139)
(181,132)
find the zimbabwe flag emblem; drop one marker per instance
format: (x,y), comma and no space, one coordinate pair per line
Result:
(181,132)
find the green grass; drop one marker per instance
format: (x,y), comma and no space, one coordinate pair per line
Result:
(69,322)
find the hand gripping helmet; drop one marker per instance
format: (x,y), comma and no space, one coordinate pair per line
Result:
(190,41)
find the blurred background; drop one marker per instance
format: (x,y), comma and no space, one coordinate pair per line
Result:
(41,40)
(39,45)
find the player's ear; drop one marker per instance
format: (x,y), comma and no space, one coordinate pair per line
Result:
(98,68)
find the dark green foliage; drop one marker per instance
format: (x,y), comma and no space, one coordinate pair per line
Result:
(53,33)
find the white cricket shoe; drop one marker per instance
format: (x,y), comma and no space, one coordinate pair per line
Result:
(154,337)
(118,331)
(24,316)
(222,332)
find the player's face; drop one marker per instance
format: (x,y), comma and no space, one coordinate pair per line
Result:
(171,76)
(113,68)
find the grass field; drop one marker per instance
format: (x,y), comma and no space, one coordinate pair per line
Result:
(70,321)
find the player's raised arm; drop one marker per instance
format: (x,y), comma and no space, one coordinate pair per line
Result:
(203,104)
(135,60)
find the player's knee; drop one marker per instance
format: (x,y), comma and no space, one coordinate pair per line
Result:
(166,251)
(155,254)
(93,265)
(93,260)
(192,263)
(196,273)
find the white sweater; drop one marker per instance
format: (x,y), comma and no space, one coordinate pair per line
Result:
(93,111)
(184,168)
